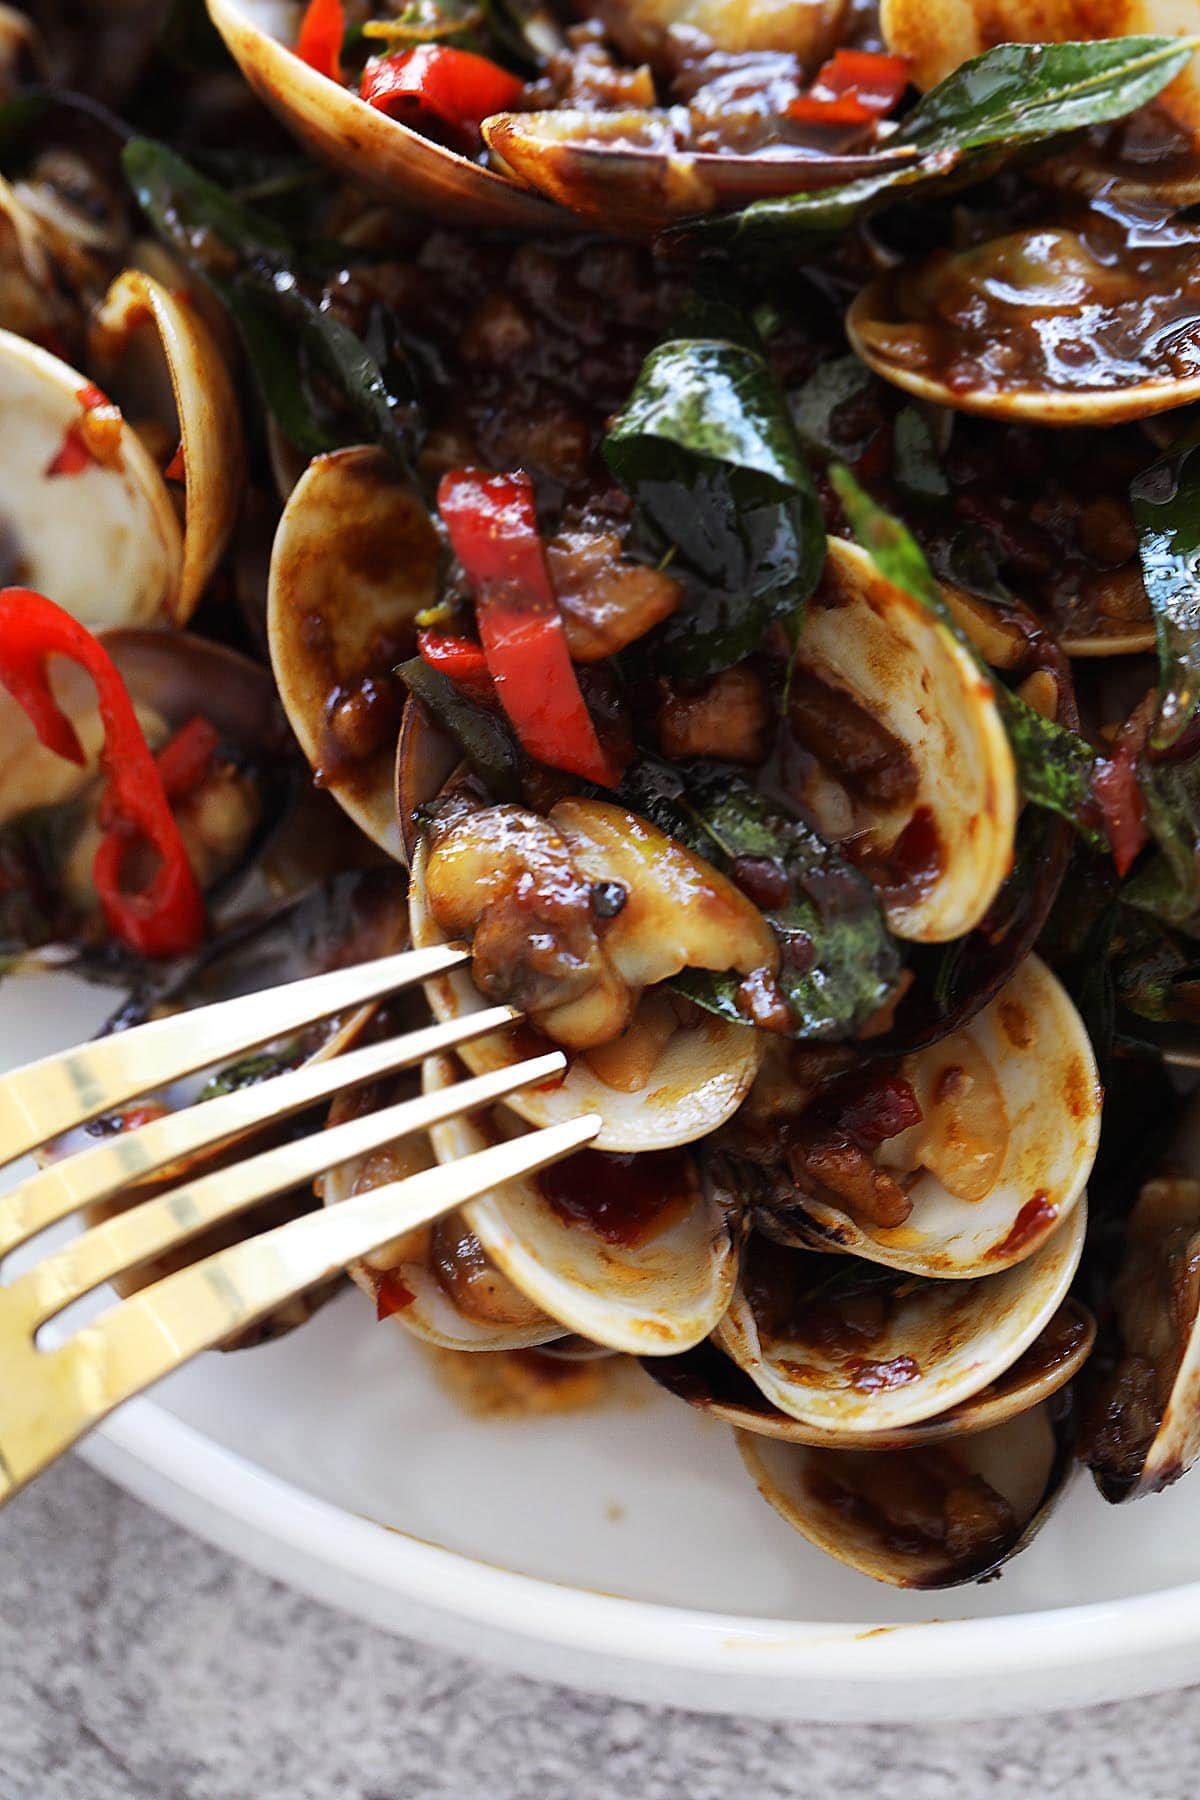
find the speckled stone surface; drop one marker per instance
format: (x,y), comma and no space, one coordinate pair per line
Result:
(139,1664)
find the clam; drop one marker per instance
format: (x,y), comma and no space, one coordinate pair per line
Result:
(437,1281)
(86,516)
(355,561)
(153,350)
(1040,325)
(1011,1121)
(633,171)
(374,150)
(921,1518)
(945,804)
(633,1253)
(659,1072)
(713,1383)
(1141,1419)
(850,1352)
(172,678)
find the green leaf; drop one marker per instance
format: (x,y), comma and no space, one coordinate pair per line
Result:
(1166,511)
(483,737)
(1170,884)
(1055,765)
(251,263)
(983,113)
(839,964)
(915,465)
(706,447)
(816,409)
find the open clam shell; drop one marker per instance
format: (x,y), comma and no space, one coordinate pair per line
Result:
(713,1383)
(921,1518)
(374,150)
(1141,1419)
(103,541)
(418,1279)
(698,1079)
(882,321)
(355,560)
(194,406)
(627,171)
(871,640)
(918,1350)
(1017,1141)
(564,1240)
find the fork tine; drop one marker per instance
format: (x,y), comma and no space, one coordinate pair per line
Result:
(174,1218)
(62,1188)
(145,1338)
(41,1101)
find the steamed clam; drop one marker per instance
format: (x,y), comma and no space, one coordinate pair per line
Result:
(355,560)
(920,1518)
(659,1073)
(935,806)
(1010,1120)
(1086,322)
(853,1352)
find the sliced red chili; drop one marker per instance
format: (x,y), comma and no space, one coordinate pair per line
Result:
(1122,805)
(166,916)
(322,32)
(462,662)
(455,87)
(493,529)
(176,469)
(186,762)
(855,87)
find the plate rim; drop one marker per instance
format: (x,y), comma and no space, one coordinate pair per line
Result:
(652,1634)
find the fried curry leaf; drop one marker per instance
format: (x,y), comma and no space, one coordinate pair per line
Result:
(291,341)
(839,964)
(1166,511)
(483,737)
(1055,765)
(824,413)
(707,449)
(1169,885)
(985,111)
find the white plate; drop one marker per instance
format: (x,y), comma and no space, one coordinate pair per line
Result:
(622,1549)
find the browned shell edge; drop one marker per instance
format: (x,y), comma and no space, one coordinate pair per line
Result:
(421,173)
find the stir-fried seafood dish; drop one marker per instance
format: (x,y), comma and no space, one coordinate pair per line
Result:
(700,501)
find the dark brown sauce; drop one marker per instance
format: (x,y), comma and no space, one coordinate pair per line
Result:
(622,1199)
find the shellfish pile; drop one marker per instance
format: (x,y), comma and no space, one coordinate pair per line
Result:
(702,503)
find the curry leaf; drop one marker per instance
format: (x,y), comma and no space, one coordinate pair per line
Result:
(1169,886)
(483,737)
(707,449)
(838,963)
(1166,511)
(1055,765)
(251,264)
(984,112)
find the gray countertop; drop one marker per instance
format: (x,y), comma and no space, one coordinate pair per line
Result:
(136,1663)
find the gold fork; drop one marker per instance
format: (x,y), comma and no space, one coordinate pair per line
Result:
(50,1397)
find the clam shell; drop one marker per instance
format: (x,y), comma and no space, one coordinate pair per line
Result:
(354,562)
(851,1504)
(622,171)
(373,150)
(104,543)
(911,674)
(1043,1063)
(941,1344)
(651,1298)
(1137,1441)
(713,1383)
(700,1079)
(202,413)
(1035,405)
(432,1314)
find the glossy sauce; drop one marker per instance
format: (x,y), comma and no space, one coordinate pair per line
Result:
(622,1199)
